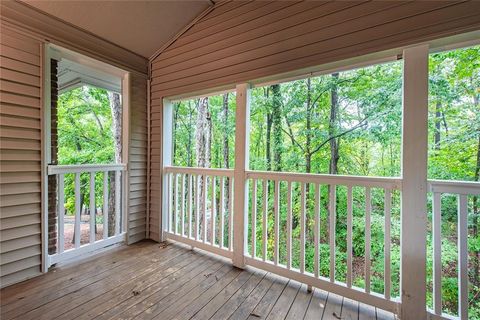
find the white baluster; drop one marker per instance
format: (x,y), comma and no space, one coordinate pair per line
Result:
(77,234)
(265,217)
(92,207)
(462,257)
(204,208)
(105,205)
(276,209)
(316,233)
(230,214)
(170,201)
(387,240)
(302,227)
(332,213)
(368,212)
(182,206)
(176,204)
(222,212)
(61,212)
(189,205)
(437,253)
(349,236)
(197,205)
(289,225)
(254,218)
(213,212)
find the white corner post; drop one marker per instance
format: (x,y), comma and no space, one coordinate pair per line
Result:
(414,185)
(46,150)
(240,204)
(167,147)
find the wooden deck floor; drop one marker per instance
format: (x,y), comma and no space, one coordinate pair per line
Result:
(153,281)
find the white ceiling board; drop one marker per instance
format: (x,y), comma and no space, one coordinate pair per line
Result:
(72,75)
(137,25)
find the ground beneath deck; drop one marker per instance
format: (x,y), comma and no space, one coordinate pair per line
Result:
(148,280)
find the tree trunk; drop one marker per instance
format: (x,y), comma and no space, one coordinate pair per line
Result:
(308,140)
(174,131)
(332,129)
(203,146)
(226,148)
(438,122)
(267,143)
(189,144)
(277,127)
(116,110)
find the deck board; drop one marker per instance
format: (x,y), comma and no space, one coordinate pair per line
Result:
(148,280)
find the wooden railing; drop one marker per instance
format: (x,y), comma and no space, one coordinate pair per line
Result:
(199,208)
(462,190)
(201,217)
(199,213)
(313,183)
(76,170)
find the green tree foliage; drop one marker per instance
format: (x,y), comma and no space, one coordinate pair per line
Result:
(84,137)
(356,116)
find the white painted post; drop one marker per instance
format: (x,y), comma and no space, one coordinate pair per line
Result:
(414,185)
(242,133)
(166,160)
(118,203)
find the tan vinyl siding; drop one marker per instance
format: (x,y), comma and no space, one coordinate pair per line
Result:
(272,38)
(20,162)
(155,165)
(241,41)
(137,200)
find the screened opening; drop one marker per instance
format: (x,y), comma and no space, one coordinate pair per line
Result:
(342,123)
(454,154)
(204,132)
(86,130)
(345,123)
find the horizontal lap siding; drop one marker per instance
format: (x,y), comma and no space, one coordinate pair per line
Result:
(137,200)
(20,160)
(242,41)
(155,164)
(259,39)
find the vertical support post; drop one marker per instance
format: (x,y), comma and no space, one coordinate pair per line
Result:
(242,133)
(46,148)
(414,186)
(167,148)
(118,203)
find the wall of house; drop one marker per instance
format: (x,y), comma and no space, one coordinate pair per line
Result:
(137,195)
(23,33)
(242,41)
(21,154)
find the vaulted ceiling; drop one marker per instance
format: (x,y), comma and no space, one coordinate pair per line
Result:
(137,25)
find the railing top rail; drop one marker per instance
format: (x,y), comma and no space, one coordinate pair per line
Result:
(380,182)
(454,187)
(81,168)
(199,171)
